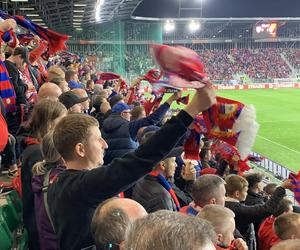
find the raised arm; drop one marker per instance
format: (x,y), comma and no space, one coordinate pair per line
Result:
(124,172)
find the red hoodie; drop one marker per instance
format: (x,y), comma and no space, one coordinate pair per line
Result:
(266,235)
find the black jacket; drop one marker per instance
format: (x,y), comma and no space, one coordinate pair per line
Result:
(245,215)
(75,194)
(120,134)
(30,156)
(254,199)
(152,195)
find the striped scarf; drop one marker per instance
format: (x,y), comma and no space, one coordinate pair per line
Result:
(295,178)
(7,91)
(163,181)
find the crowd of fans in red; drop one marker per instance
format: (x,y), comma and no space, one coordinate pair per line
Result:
(99,166)
(226,65)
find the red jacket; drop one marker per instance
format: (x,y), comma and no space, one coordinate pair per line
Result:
(266,235)
(3,132)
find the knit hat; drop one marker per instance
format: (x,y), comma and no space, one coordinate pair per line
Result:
(120,107)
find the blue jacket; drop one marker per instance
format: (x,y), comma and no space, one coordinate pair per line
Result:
(121,134)
(74,85)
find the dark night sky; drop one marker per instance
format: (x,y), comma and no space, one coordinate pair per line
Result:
(221,8)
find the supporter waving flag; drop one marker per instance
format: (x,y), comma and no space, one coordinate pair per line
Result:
(56,41)
(227,120)
(296,185)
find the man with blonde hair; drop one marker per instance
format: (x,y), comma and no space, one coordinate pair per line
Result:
(287,226)
(222,219)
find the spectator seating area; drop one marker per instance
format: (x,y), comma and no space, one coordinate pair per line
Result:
(264,64)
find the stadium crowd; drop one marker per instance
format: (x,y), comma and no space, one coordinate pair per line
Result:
(101,167)
(226,65)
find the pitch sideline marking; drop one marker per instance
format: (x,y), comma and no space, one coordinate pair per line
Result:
(279,121)
(276,143)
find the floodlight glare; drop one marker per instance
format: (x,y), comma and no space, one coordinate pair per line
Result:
(98,9)
(169,26)
(194,25)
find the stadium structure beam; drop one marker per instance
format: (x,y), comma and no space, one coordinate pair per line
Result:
(217,19)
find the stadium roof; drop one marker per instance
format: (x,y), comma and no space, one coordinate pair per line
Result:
(65,15)
(218,8)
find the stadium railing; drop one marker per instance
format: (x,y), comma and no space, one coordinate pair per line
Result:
(275,168)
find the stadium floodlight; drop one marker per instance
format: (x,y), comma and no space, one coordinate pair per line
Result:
(19,0)
(98,9)
(32,15)
(80,16)
(169,26)
(37,20)
(79,4)
(78,11)
(77,20)
(194,25)
(26,8)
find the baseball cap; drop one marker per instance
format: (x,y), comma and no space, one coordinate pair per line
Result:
(69,99)
(23,52)
(120,107)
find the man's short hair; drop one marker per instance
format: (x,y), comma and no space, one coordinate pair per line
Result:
(115,99)
(235,183)
(136,112)
(287,225)
(22,52)
(253,179)
(71,130)
(109,227)
(283,207)
(204,152)
(205,188)
(169,231)
(56,74)
(69,74)
(270,188)
(218,216)
(287,245)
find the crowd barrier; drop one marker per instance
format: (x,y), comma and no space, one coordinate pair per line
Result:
(275,168)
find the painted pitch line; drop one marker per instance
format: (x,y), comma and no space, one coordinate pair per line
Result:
(278,144)
(279,121)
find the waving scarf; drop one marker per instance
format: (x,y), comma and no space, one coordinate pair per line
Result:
(163,181)
(296,185)
(227,120)
(56,41)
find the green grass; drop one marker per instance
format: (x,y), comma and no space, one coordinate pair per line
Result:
(278,113)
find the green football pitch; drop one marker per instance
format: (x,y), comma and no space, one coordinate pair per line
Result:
(278,113)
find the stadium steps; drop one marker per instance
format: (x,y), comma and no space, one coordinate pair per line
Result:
(12,232)
(294,71)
